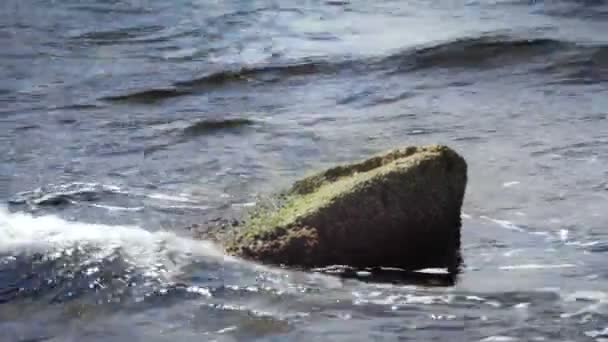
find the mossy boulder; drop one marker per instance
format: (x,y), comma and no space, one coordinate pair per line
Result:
(400,209)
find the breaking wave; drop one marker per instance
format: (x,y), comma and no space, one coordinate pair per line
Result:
(49,256)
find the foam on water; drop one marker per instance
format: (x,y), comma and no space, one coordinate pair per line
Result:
(535,266)
(172,198)
(154,252)
(116,208)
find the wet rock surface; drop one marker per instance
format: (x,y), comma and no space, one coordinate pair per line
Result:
(400,209)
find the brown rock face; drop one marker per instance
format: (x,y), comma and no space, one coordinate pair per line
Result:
(400,209)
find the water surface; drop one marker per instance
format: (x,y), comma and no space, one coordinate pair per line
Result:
(123,122)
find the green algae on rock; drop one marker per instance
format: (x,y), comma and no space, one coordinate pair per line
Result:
(400,209)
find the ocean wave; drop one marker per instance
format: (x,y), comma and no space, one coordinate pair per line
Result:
(559,60)
(239,75)
(267,73)
(53,257)
(115,8)
(477,52)
(467,52)
(102,196)
(564,61)
(202,127)
(599,247)
(63,194)
(59,261)
(118,34)
(147,95)
(584,65)
(586,9)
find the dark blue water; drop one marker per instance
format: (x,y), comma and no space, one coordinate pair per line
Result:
(122,123)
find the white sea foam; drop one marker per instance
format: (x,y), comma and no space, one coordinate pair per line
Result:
(563,234)
(598,302)
(510,184)
(172,198)
(153,252)
(499,338)
(597,333)
(535,266)
(504,223)
(116,208)
(399,300)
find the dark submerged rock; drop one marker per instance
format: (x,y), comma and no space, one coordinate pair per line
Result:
(400,209)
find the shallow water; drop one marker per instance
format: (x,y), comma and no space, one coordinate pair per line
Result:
(123,122)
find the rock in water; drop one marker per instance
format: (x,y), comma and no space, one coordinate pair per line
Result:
(400,209)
